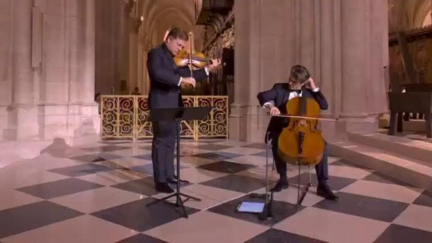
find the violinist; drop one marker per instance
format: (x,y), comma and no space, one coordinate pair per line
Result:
(165,81)
(274,101)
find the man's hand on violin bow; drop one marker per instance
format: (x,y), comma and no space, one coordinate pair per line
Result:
(189,80)
(213,65)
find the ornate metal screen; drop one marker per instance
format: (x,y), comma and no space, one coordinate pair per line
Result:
(126,116)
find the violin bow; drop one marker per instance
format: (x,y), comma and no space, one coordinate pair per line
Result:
(190,52)
(308,118)
(190,56)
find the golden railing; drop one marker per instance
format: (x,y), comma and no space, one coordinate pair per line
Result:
(126,116)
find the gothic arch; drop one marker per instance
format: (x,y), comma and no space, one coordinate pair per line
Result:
(167,18)
(163,14)
(420,14)
(183,7)
(405,15)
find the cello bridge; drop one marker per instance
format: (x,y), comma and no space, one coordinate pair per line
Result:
(302,123)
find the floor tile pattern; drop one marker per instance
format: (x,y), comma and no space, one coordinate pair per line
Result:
(101,194)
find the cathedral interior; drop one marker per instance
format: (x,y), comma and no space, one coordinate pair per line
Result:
(77,139)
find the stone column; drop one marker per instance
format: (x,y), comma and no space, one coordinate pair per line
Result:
(307,34)
(247,66)
(378,57)
(58,87)
(6,16)
(125,43)
(146,80)
(328,38)
(89,124)
(140,66)
(67,109)
(89,78)
(329,76)
(264,35)
(363,94)
(354,58)
(133,62)
(109,46)
(22,113)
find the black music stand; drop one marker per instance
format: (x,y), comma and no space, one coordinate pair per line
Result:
(178,114)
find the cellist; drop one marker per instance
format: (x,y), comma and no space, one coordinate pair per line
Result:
(274,101)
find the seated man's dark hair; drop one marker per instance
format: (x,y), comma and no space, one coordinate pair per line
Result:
(299,74)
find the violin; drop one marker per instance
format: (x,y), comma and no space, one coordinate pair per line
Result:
(301,142)
(198,60)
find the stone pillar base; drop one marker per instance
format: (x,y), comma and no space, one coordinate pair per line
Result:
(54,120)
(333,130)
(22,123)
(68,121)
(3,119)
(361,125)
(88,130)
(248,123)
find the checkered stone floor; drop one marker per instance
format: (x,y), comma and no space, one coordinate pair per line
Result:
(99,194)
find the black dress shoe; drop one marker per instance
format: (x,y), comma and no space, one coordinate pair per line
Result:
(173,180)
(324,190)
(280,185)
(163,187)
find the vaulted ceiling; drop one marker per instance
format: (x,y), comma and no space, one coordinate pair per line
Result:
(161,15)
(407,14)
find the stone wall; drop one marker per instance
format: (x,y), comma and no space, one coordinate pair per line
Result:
(342,43)
(47,66)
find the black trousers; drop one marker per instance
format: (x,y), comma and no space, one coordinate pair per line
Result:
(281,166)
(163,146)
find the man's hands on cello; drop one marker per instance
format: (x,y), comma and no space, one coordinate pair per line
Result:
(310,84)
(274,111)
(271,109)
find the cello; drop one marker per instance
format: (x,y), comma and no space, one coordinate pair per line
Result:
(301,142)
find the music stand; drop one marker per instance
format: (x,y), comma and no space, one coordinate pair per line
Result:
(178,114)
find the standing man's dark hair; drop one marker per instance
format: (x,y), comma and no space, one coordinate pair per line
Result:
(165,81)
(177,33)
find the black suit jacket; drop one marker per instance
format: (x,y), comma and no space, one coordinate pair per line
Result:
(279,94)
(164,78)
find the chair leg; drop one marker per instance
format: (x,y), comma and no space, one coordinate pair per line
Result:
(392,125)
(301,195)
(298,185)
(428,125)
(400,122)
